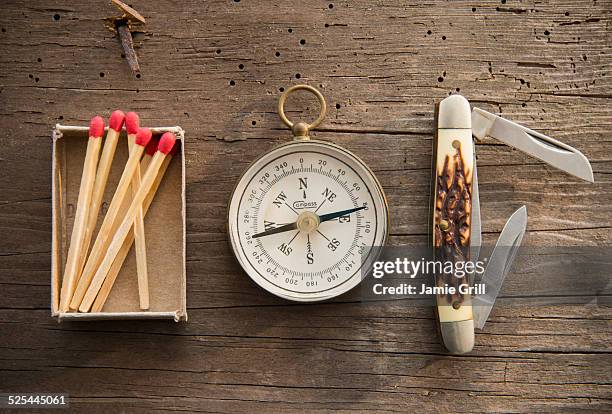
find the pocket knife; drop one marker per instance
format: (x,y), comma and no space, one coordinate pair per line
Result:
(456,230)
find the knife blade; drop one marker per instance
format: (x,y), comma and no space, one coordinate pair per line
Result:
(501,260)
(540,146)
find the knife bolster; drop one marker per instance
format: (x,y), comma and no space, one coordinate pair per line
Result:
(458,337)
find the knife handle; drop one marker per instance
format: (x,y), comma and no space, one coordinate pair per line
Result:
(452,198)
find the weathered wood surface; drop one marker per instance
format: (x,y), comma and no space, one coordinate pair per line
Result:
(216,68)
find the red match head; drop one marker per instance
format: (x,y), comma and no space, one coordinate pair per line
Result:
(96,127)
(151,147)
(116,120)
(143,136)
(166,142)
(132,123)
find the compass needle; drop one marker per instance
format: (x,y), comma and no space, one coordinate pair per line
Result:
(303,218)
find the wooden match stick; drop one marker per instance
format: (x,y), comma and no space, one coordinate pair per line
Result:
(127,244)
(111,219)
(96,130)
(132,125)
(166,143)
(104,165)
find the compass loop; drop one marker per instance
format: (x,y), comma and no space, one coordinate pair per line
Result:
(302,128)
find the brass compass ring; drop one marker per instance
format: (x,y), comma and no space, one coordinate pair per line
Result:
(300,129)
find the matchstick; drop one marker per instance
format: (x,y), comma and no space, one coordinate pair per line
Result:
(166,143)
(104,165)
(111,219)
(96,130)
(132,125)
(127,244)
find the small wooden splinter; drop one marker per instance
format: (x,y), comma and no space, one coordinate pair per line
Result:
(111,219)
(115,124)
(96,130)
(132,125)
(166,143)
(127,244)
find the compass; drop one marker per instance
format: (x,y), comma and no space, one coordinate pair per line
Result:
(305,217)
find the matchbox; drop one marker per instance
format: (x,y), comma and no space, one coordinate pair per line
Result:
(164,230)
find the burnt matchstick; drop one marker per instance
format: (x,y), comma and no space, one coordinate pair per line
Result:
(132,125)
(166,143)
(115,124)
(96,130)
(127,244)
(111,219)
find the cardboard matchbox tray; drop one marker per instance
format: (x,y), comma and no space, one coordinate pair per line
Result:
(164,230)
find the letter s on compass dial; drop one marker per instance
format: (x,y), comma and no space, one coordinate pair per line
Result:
(303,219)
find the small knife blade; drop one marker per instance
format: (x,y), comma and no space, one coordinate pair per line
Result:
(540,146)
(499,265)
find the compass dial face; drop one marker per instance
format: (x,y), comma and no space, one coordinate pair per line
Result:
(304,218)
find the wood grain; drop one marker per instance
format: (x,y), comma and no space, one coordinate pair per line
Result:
(382,66)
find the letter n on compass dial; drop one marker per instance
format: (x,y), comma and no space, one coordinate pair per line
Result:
(303,217)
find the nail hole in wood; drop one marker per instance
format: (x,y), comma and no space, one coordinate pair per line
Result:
(303,42)
(253,123)
(281,89)
(277,54)
(290,30)
(326,25)
(331,6)
(298,76)
(440,79)
(567,13)
(458,90)
(429,32)
(337,106)
(56,17)
(232,83)
(101,74)
(473,9)
(36,79)
(138,76)
(443,37)
(546,32)
(241,66)
(218,51)
(31,76)
(3,30)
